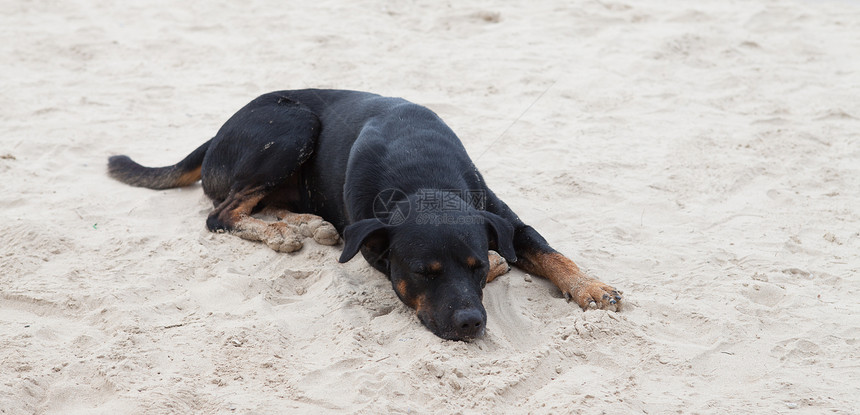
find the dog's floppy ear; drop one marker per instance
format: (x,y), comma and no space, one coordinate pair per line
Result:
(355,234)
(504,235)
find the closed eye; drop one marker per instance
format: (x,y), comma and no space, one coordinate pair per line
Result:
(428,270)
(427,275)
(424,272)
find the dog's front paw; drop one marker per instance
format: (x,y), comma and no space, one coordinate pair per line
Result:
(590,293)
(283,238)
(326,234)
(323,232)
(498,265)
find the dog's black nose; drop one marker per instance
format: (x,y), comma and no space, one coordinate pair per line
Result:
(468,323)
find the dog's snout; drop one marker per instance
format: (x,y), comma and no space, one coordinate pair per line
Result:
(468,323)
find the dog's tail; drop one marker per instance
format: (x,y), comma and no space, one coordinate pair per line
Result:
(184,173)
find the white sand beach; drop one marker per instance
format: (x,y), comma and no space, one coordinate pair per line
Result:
(703,157)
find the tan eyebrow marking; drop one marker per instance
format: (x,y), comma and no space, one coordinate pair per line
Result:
(435,266)
(471,261)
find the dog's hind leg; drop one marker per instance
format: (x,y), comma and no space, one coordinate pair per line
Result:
(252,162)
(311,226)
(234,215)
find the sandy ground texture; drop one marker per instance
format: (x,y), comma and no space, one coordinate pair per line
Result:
(704,157)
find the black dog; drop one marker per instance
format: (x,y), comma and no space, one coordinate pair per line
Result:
(388,175)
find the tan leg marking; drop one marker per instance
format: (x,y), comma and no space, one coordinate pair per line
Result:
(236,212)
(573,283)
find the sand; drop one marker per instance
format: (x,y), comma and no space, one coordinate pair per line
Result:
(703,157)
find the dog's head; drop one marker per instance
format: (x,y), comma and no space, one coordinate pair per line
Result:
(437,261)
